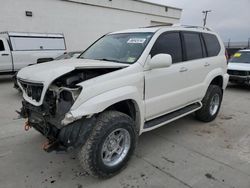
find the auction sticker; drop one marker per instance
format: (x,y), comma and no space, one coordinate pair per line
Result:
(136,41)
(237,55)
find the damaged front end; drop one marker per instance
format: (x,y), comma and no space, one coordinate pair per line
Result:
(49,118)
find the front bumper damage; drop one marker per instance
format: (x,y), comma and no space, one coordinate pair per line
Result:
(47,103)
(61,138)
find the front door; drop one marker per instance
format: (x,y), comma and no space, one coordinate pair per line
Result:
(5,56)
(164,87)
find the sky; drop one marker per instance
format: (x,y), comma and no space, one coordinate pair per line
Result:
(230,18)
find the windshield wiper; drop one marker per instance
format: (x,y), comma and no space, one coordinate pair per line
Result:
(105,59)
(109,60)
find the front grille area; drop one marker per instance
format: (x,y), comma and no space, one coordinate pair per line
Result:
(32,90)
(238,73)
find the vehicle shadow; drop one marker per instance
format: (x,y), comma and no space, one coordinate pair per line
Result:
(7,88)
(67,165)
(6,78)
(178,126)
(238,87)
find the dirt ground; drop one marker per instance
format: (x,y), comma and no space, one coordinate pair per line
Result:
(186,153)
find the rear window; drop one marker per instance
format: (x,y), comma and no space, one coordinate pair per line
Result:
(193,46)
(212,44)
(241,57)
(37,43)
(1,46)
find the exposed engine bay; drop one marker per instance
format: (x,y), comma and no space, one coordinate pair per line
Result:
(58,100)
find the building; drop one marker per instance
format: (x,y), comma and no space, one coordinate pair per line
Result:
(82,21)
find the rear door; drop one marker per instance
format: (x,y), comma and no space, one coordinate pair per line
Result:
(196,64)
(5,56)
(213,48)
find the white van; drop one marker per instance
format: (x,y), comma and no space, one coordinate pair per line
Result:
(18,50)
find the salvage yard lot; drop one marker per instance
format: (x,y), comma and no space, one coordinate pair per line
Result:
(186,153)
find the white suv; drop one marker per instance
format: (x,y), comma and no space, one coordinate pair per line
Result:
(239,67)
(125,84)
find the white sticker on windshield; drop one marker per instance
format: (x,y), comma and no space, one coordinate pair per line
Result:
(136,41)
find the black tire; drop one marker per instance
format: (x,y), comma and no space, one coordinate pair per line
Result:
(90,155)
(204,113)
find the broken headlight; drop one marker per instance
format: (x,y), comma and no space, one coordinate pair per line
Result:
(65,93)
(69,94)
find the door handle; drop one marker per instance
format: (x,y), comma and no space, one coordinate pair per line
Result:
(183,69)
(207,64)
(5,54)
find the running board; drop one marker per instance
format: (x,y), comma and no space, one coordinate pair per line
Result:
(173,115)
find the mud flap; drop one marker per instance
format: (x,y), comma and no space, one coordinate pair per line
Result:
(77,133)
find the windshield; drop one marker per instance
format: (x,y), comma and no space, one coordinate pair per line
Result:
(241,57)
(121,48)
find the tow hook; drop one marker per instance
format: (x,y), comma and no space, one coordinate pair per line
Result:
(27,126)
(49,146)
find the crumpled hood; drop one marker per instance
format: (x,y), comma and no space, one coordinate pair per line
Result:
(239,66)
(46,72)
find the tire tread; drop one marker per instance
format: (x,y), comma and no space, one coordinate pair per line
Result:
(87,155)
(203,114)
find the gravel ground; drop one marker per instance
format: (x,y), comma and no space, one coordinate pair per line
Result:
(183,154)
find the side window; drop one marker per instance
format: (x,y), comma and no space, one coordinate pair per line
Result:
(193,46)
(212,44)
(168,43)
(1,46)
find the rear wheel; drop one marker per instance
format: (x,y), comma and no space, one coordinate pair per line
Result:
(110,145)
(211,104)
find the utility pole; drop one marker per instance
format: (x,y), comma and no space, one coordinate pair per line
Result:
(205,12)
(248,46)
(229,42)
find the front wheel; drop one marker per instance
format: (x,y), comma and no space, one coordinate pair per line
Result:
(211,104)
(110,145)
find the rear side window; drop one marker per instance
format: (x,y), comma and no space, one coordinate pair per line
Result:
(168,43)
(212,44)
(1,46)
(193,46)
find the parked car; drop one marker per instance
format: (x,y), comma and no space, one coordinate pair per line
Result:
(123,85)
(18,50)
(66,55)
(239,67)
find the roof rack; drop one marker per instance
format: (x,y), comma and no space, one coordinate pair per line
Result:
(178,25)
(196,27)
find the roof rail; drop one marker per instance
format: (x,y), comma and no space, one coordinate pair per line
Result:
(178,25)
(196,27)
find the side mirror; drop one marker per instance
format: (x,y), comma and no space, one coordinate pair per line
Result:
(160,61)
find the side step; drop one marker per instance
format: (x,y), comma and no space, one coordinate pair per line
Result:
(173,115)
